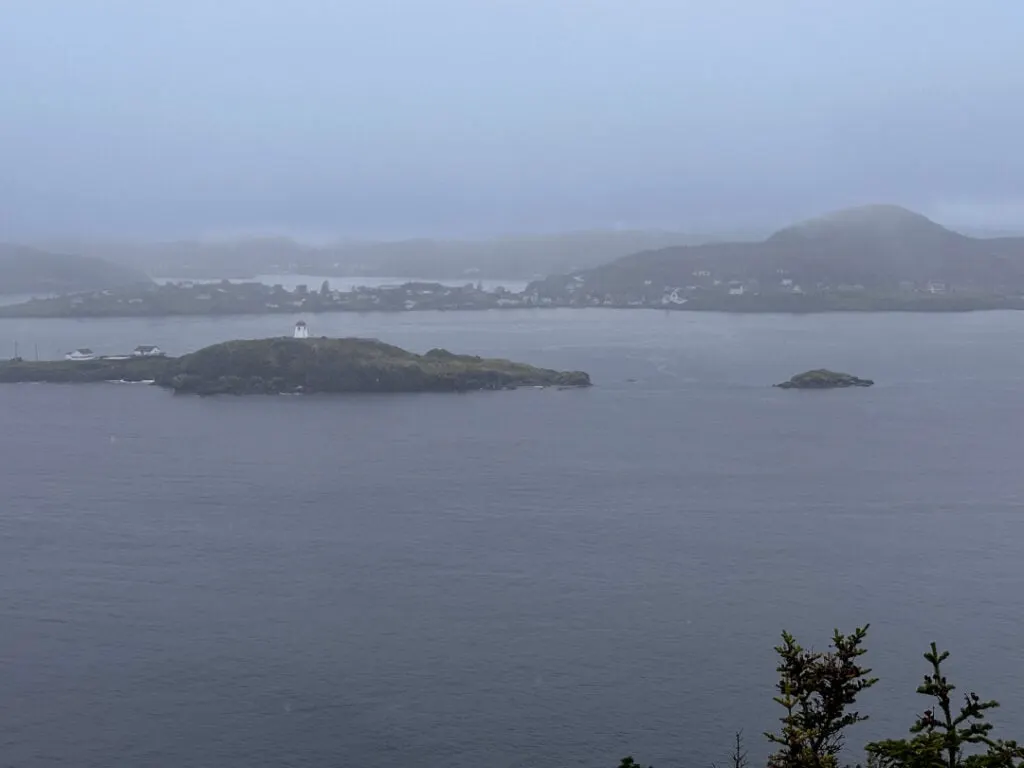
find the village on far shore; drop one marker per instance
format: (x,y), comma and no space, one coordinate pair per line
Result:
(705,291)
(233,298)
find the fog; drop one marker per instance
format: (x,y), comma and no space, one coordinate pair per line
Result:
(460,117)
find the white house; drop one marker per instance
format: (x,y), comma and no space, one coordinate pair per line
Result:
(736,290)
(80,354)
(301,330)
(147,350)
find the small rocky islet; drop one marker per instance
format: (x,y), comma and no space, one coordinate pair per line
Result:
(289,365)
(822,378)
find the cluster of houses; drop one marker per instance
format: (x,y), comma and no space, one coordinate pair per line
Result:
(703,284)
(259,297)
(301,331)
(143,350)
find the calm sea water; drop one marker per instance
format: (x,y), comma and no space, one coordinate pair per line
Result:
(505,579)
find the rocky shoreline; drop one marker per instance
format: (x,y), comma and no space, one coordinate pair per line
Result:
(824,379)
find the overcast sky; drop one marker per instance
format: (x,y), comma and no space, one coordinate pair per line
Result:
(402,117)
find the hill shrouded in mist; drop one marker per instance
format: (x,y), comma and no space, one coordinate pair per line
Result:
(871,247)
(31,270)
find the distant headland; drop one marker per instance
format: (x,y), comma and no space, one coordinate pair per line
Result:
(298,365)
(871,258)
(876,258)
(31,270)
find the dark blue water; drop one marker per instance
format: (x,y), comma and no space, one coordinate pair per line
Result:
(505,579)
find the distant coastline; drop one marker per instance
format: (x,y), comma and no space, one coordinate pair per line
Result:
(223,298)
(877,258)
(874,258)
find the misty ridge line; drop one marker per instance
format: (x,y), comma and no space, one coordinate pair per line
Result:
(523,256)
(865,246)
(867,258)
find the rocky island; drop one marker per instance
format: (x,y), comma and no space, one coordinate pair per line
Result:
(287,365)
(824,379)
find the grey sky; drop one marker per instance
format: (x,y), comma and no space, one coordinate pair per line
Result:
(176,117)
